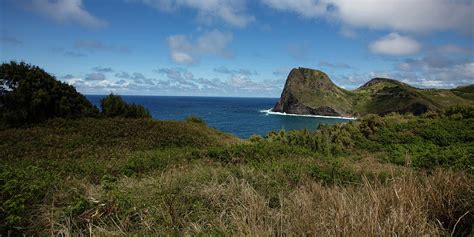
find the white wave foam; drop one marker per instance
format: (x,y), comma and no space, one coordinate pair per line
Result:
(270,112)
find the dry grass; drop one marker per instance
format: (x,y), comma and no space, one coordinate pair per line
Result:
(405,206)
(438,204)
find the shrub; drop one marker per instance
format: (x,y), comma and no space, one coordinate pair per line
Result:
(114,106)
(460,111)
(195,119)
(21,190)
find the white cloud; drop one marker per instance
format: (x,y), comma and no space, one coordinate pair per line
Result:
(175,81)
(399,15)
(181,57)
(440,77)
(183,50)
(96,76)
(395,44)
(209,11)
(67,11)
(423,72)
(305,8)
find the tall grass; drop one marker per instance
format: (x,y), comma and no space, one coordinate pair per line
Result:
(219,203)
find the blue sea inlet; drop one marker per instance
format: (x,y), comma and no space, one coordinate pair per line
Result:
(242,117)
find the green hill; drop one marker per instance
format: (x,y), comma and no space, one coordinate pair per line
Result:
(309,91)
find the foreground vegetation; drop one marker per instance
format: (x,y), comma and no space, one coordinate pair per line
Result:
(392,175)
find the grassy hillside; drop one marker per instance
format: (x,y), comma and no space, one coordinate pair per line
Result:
(314,89)
(392,175)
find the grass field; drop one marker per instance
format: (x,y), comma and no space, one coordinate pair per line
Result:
(393,175)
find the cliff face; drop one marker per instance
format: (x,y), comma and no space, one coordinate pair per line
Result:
(309,91)
(290,104)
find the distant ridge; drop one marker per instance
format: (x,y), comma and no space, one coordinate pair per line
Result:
(309,91)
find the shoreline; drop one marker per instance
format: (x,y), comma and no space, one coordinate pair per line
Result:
(270,112)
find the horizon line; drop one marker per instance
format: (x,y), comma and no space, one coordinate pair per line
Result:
(210,96)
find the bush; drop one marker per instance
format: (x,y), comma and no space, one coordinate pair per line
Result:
(29,95)
(21,190)
(195,119)
(460,111)
(114,106)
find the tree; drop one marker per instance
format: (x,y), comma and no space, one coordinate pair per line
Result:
(28,95)
(114,106)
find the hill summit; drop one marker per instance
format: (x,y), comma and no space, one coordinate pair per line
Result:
(310,91)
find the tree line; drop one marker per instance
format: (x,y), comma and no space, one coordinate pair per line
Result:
(30,95)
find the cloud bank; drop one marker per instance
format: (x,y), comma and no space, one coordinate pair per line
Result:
(407,16)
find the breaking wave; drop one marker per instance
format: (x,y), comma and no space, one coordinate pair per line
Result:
(270,112)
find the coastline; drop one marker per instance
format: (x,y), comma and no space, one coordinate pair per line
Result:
(270,112)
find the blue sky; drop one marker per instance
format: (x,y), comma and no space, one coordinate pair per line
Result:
(238,47)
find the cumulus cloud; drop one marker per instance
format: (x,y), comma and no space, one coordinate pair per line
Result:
(229,11)
(183,50)
(439,77)
(95,77)
(66,11)
(305,8)
(237,82)
(431,71)
(395,44)
(176,74)
(410,16)
(136,77)
(434,61)
(175,81)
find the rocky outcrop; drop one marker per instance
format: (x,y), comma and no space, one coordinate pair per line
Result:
(289,104)
(311,92)
(307,79)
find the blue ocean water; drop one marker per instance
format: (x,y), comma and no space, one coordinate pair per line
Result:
(239,116)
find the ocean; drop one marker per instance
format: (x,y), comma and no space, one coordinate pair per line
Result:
(242,117)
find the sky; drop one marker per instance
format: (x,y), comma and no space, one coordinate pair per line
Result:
(238,47)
